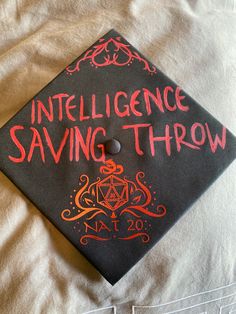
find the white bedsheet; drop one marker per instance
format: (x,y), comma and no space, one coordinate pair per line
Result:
(194,43)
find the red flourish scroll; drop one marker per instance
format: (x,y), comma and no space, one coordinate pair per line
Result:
(111,52)
(111,196)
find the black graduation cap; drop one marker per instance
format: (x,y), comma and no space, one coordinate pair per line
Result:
(113,153)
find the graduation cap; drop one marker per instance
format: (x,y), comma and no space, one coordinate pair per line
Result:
(113,153)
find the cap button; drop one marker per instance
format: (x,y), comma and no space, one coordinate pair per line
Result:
(112,146)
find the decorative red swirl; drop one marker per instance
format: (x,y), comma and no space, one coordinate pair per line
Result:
(84,239)
(161,209)
(111,52)
(111,167)
(66,213)
(144,236)
(90,196)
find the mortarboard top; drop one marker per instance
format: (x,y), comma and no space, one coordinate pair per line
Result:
(113,153)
